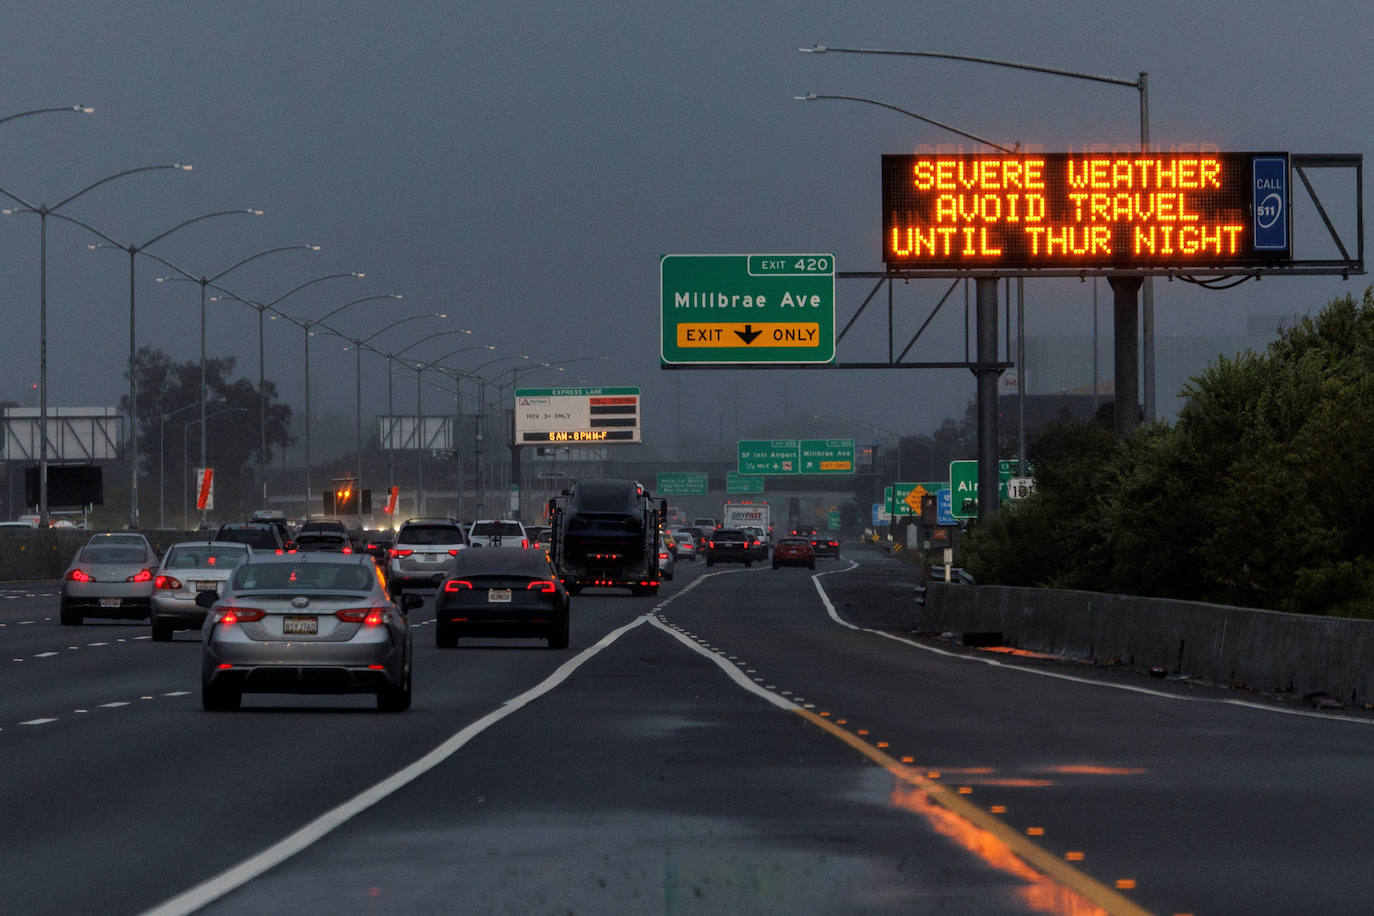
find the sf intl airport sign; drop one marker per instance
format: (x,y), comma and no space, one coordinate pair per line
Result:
(1069,210)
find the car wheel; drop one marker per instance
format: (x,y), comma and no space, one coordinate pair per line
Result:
(710,562)
(748,563)
(811,565)
(220,699)
(69,617)
(395,699)
(162,632)
(559,638)
(775,564)
(445,638)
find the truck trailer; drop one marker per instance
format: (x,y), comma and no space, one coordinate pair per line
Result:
(606,535)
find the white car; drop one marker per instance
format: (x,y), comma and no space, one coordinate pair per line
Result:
(498,532)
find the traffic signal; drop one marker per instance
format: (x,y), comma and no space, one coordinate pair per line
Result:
(345,497)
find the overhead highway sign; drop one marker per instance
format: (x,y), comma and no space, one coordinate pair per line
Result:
(1088,210)
(747,308)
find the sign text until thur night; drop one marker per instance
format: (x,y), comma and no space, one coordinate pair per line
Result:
(1085,210)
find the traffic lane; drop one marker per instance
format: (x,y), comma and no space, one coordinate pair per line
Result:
(645,782)
(130,801)
(1137,785)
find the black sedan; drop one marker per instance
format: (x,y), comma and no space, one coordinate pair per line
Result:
(825,545)
(730,545)
(501,593)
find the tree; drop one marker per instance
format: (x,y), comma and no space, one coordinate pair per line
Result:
(172,390)
(1258,496)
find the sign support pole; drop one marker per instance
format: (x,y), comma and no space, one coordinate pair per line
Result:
(987,374)
(1127,410)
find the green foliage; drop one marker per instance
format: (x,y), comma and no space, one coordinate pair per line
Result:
(168,426)
(1259,495)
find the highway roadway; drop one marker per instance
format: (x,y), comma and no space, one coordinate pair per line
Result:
(748,741)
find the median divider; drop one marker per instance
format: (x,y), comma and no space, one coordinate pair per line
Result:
(1301,655)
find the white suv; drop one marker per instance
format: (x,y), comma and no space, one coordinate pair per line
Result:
(421,555)
(498,532)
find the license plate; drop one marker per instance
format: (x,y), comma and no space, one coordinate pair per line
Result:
(432,557)
(207,587)
(498,595)
(300,626)
(114,602)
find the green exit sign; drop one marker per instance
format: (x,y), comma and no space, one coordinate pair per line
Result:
(796,456)
(747,308)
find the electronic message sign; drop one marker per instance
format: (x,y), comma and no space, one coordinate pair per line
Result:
(1081,210)
(544,415)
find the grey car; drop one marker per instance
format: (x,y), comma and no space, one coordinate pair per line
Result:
(112,576)
(188,568)
(308,623)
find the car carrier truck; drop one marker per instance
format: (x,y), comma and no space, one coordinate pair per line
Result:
(606,535)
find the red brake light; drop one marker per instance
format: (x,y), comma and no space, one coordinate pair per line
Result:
(231,616)
(543,585)
(400,552)
(348,550)
(456,585)
(143,575)
(78,575)
(166,582)
(453,551)
(368,616)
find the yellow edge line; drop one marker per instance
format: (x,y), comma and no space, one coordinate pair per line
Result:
(1047,863)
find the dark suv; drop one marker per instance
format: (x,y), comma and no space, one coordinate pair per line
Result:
(421,555)
(730,545)
(261,536)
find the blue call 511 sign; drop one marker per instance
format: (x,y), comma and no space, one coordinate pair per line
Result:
(1270,186)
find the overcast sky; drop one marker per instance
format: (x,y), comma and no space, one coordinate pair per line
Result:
(522,166)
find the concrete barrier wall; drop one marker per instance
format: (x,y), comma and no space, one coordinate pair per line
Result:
(45,553)
(1265,650)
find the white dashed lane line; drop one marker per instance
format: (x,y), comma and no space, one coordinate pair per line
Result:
(113,704)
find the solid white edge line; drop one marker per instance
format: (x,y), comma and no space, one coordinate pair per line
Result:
(1092,682)
(231,879)
(731,670)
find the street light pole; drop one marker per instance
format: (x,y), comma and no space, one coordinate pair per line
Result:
(262,308)
(1142,85)
(358,343)
(391,452)
(205,281)
(185,477)
(162,459)
(43,211)
(133,249)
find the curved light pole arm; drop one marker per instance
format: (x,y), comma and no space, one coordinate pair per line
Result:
(78,109)
(248,211)
(811,97)
(823,49)
(426,339)
(336,311)
(179,166)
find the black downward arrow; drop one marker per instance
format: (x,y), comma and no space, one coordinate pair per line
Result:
(748,334)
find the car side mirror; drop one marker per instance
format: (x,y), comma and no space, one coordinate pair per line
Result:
(206,599)
(410,601)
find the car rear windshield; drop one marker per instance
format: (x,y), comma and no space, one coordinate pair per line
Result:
(205,557)
(304,576)
(105,554)
(253,537)
(430,534)
(505,529)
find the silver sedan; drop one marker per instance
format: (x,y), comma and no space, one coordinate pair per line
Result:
(112,576)
(187,569)
(312,623)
